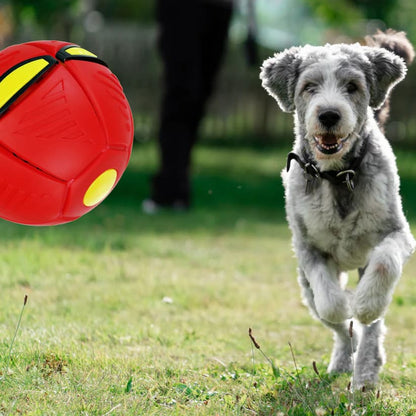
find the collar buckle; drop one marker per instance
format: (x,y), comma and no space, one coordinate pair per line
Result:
(311,171)
(349,178)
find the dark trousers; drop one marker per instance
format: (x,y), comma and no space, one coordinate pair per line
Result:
(192,40)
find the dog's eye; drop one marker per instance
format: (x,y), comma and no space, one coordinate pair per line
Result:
(351,87)
(309,87)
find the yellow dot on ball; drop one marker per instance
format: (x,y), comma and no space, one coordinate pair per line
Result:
(100,188)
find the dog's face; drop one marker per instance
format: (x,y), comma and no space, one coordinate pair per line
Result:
(331,88)
(331,99)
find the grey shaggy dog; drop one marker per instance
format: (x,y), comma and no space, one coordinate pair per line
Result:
(342,192)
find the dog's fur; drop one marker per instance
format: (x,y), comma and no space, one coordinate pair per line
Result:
(335,229)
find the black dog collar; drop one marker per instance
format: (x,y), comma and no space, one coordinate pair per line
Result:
(335,177)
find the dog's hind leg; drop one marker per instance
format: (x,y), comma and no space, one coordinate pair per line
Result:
(370,356)
(344,344)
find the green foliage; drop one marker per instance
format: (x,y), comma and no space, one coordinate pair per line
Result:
(140,11)
(342,12)
(335,13)
(45,12)
(345,16)
(129,385)
(403,18)
(376,9)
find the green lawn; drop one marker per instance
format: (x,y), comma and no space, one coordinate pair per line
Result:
(135,315)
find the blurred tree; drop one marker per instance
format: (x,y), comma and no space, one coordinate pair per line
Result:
(403,18)
(139,10)
(6,23)
(346,11)
(344,14)
(354,18)
(52,15)
(334,13)
(376,9)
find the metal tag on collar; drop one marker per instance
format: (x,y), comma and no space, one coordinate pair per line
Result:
(349,178)
(311,174)
(311,170)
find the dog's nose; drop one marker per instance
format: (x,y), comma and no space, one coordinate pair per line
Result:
(329,118)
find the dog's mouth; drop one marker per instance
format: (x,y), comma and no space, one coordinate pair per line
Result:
(329,143)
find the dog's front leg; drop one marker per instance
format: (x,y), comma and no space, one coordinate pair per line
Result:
(370,356)
(344,346)
(331,302)
(375,289)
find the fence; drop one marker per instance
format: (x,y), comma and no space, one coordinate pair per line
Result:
(239,111)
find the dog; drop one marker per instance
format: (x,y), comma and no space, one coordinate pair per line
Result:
(342,190)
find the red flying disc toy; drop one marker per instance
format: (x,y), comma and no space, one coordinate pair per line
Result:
(66,132)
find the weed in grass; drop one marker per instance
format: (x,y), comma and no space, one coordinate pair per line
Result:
(301,393)
(129,385)
(9,355)
(53,364)
(275,370)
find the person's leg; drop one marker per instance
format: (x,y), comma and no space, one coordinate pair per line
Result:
(213,19)
(213,41)
(178,44)
(192,38)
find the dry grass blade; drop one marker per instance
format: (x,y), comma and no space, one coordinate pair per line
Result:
(303,396)
(276,371)
(250,334)
(15,334)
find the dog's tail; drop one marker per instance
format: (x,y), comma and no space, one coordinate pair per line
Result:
(397,43)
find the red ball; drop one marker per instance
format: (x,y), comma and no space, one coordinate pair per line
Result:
(66,132)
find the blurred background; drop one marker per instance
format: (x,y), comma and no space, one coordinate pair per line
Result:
(124,32)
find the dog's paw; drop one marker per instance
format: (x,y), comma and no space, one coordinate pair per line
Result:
(341,359)
(367,384)
(334,307)
(341,366)
(366,372)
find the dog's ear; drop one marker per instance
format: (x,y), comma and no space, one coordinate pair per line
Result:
(387,69)
(279,76)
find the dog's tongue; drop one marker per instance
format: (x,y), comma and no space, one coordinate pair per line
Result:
(328,139)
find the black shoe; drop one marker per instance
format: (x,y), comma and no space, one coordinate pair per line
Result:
(151,207)
(168,191)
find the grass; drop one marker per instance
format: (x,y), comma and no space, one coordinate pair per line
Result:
(135,315)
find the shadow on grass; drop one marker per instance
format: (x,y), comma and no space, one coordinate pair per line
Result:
(243,199)
(222,203)
(408,192)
